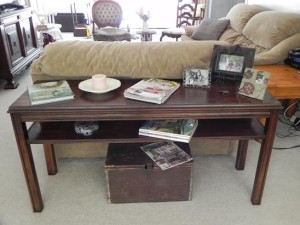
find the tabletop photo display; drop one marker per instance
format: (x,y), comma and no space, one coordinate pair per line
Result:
(228,63)
(196,77)
(254,83)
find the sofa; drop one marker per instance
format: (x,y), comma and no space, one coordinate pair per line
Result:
(273,34)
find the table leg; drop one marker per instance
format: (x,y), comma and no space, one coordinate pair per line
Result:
(27,163)
(241,154)
(50,159)
(161,37)
(264,158)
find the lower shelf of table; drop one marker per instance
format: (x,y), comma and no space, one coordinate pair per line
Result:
(127,131)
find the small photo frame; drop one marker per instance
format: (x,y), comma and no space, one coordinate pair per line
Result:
(229,62)
(254,83)
(196,77)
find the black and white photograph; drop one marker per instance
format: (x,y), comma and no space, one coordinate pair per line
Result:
(232,63)
(196,77)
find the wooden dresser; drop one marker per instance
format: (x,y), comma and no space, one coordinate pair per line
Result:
(18,44)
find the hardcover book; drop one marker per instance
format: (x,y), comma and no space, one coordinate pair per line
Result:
(152,90)
(254,83)
(166,154)
(175,130)
(48,92)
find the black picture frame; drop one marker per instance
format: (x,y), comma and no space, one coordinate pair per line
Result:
(228,63)
(194,76)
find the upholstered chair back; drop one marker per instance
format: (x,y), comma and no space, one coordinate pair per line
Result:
(107,13)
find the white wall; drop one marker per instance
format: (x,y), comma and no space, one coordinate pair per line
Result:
(5,1)
(278,5)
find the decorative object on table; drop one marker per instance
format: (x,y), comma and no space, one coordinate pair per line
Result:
(196,77)
(229,62)
(152,90)
(166,154)
(254,83)
(48,92)
(111,84)
(175,130)
(86,128)
(144,17)
(99,82)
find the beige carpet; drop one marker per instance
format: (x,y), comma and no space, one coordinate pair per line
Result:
(77,194)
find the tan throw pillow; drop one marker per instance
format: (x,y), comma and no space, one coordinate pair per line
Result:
(210,29)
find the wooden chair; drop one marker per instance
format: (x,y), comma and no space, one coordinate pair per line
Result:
(199,12)
(188,13)
(107,15)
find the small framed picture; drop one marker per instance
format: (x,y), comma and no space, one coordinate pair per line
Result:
(196,77)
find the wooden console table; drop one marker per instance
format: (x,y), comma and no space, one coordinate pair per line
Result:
(221,116)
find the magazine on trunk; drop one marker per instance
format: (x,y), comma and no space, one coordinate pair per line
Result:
(48,92)
(166,154)
(175,130)
(152,90)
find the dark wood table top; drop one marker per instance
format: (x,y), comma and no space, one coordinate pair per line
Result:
(185,102)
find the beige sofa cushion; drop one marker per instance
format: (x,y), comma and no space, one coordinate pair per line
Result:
(229,35)
(78,59)
(210,29)
(268,28)
(240,14)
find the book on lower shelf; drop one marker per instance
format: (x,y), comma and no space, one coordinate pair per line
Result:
(48,92)
(176,130)
(166,154)
(152,90)
(254,83)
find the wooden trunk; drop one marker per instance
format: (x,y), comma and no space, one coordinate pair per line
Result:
(133,177)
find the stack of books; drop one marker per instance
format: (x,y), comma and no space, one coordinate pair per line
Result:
(152,90)
(175,130)
(48,92)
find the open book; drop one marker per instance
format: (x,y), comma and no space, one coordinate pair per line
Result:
(152,90)
(166,154)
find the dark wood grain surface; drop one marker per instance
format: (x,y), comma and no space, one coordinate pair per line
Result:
(186,102)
